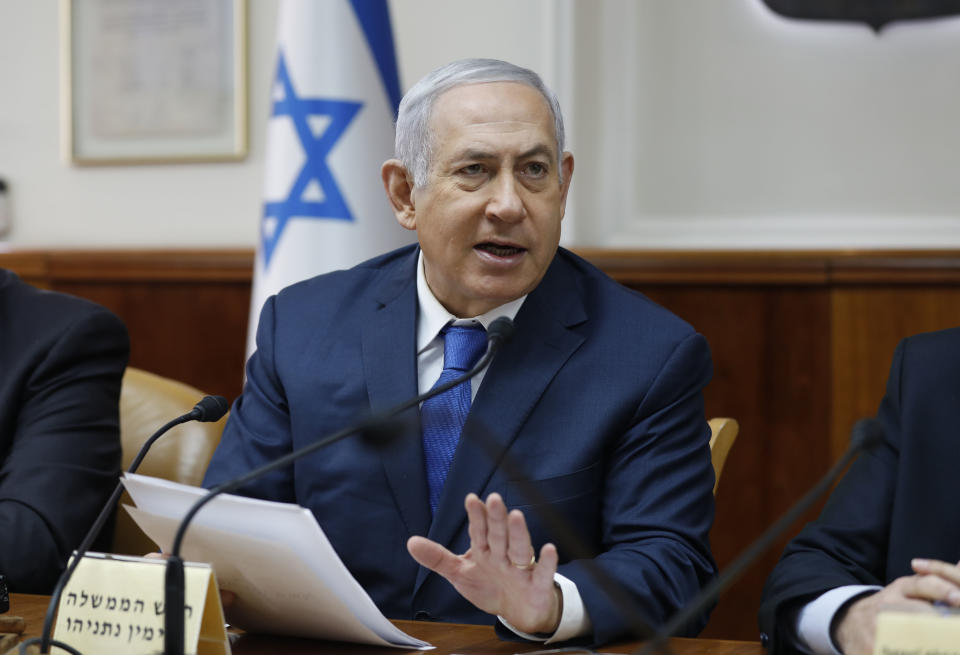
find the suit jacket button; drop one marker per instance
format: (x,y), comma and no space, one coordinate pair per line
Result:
(422,615)
(764,639)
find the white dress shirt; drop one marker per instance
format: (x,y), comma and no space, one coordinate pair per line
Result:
(815,619)
(433,317)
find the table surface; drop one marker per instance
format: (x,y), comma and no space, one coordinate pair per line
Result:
(448,638)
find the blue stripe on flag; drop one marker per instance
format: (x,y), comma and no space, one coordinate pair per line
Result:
(374,17)
(315,167)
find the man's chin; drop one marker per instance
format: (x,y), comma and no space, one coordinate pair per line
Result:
(493,296)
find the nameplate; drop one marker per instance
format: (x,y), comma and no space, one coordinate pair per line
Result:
(115,604)
(908,633)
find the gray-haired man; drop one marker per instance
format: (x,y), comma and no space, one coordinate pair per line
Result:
(597,397)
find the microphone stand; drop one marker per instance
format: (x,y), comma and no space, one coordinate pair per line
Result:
(209,409)
(499,331)
(867,433)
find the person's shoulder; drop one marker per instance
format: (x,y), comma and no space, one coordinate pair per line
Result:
(940,348)
(947,338)
(46,307)
(360,274)
(350,285)
(610,297)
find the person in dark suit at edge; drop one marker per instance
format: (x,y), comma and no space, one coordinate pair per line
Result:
(889,536)
(598,395)
(61,363)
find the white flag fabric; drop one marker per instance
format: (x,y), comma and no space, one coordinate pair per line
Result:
(334,101)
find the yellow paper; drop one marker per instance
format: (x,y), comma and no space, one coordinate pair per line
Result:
(115,604)
(904,633)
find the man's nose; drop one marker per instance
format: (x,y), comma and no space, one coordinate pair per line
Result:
(506,204)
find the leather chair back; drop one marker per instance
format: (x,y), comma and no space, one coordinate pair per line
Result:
(148,401)
(723,432)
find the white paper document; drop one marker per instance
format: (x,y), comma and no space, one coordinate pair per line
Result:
(274,556)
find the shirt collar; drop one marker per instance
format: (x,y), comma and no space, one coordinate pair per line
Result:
(434,317)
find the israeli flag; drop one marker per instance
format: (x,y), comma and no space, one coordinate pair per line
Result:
(334,100)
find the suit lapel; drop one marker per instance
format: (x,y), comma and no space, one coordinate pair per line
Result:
(511,388)
(391,374)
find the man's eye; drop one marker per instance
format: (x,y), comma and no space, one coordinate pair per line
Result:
(535,169)
(472,169)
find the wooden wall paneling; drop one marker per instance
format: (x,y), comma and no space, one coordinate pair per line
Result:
(770,349)
(31,267)
(868,322)
(183,265)
(186,310)
(192,332)
(636,268)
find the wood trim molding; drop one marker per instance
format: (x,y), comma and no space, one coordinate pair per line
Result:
(185,265)
(788,267)
(635,267)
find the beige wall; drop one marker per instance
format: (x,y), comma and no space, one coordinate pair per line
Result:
(211,204)
(696,124)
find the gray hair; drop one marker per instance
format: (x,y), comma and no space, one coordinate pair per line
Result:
(414,143)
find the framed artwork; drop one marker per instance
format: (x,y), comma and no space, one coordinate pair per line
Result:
(153,81)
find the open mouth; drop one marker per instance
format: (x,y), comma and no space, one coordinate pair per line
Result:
(499,250)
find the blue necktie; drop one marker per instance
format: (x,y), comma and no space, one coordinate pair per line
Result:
(442,416)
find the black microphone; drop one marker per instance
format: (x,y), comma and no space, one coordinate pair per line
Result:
(208,410)
(498,333)
(866,434)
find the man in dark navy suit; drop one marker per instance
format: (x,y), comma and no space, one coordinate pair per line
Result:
(61,362)
(889,537)
(597,398)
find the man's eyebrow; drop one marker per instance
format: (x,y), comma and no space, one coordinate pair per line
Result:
(540,149)
(472,153)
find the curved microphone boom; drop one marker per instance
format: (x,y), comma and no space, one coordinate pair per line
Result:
(866,434)
(208,410)
(498,333)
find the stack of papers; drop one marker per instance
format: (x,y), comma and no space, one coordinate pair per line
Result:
(274,556)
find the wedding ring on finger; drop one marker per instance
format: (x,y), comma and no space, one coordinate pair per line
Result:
(529,565)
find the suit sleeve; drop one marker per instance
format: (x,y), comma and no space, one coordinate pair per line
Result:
(657,506)
(65,454)
(258,429)
(847,544)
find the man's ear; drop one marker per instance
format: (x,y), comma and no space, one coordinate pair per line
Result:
(398,184)
(566,165)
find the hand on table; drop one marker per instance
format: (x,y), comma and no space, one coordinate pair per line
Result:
(499,573)
(934,581)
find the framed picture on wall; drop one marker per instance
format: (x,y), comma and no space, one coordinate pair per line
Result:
(153,81)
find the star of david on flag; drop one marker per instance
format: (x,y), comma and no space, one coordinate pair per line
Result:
(333,104)
(314,193)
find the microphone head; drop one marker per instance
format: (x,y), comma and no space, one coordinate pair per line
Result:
(867,433)
(210,409)
(501,330)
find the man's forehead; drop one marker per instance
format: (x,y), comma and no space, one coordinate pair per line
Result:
(492,107)
(500,101)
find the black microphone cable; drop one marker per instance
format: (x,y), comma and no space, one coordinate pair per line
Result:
(500,331)
(209,409)
(866,434)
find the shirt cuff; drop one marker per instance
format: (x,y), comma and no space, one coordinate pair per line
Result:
(814,620)
(574,620)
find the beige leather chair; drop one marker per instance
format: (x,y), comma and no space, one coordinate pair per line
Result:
(147,402)
(723,432)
